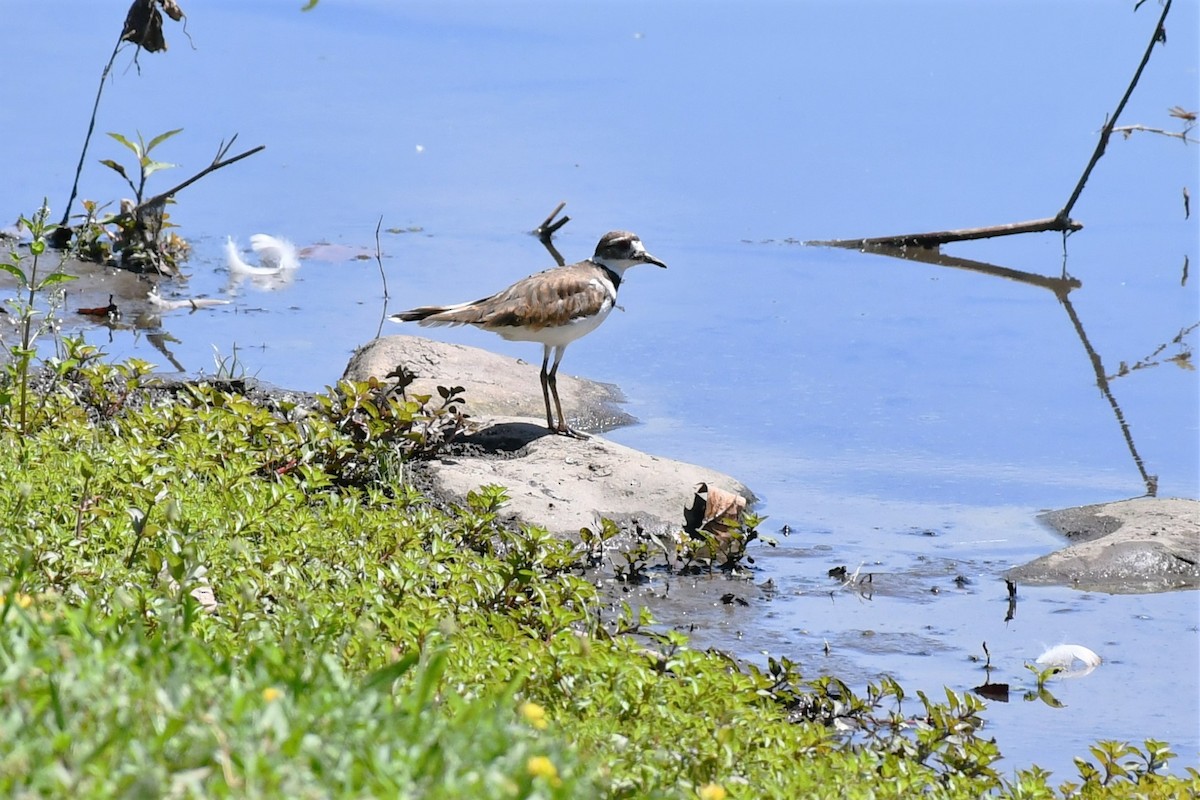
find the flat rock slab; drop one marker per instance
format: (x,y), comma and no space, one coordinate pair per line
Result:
(495,385)
(1132,546)
(565,484)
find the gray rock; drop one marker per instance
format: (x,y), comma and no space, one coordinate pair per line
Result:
(565,484)
(1142,545)
(495,385)
(557,482)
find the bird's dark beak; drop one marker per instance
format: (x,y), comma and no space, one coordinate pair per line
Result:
(649,259)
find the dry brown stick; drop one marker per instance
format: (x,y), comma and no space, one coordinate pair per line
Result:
(937,238)
(63,234)
(545,232)
(379,259)
(1158,35)
(163,196)
(1061,222)
(1128,129)
(1060,286)
(1150,481)
(549,227)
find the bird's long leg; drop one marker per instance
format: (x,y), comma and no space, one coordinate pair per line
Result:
(546,385)
(562,428)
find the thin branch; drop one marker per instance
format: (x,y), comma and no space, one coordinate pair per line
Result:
(1130,129)
(1150,481)
(549,227)
(938,238)
(60,239)
(379,258)
(1061,222)
(162,197)
(224,147)
(545,232)
(402,382)
(1060,286)
(1158,35)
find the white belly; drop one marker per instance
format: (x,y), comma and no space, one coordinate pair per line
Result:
(559,335)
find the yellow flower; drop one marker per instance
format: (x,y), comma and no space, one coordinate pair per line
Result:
(271,694)
(535,715)
(712,791)
(542,767)
(20,600)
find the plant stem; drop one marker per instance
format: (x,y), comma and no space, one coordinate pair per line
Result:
(88,138)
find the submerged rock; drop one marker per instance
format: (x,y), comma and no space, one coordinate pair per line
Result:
(1132,546)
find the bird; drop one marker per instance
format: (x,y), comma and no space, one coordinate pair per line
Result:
(553,307)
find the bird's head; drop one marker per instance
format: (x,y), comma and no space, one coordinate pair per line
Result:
(619,250)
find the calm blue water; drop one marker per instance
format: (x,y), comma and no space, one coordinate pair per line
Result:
(862,397)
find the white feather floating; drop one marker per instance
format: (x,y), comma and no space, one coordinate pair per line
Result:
(237,266)
(274,256)
(275,252)
(1065,656)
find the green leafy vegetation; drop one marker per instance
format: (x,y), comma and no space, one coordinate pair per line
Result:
(37,298)
(137,239)
(205,595)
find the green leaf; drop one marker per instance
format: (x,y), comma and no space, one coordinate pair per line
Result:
(57,277)
(151,167)
(16,272)
(162,137)
(385,676)
(115,167)
(137,149)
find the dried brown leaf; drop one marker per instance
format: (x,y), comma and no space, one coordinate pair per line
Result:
(143,26)
(110,310)
(722,505)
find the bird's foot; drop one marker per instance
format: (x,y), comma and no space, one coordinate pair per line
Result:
(564,430)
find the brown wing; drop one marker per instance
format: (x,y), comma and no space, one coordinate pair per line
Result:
(547,298)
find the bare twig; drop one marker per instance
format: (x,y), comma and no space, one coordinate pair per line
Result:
(224,147)
(1150,481)
(1063,285)
(1159,34)
(62,235)
(548,228)
(1129,130)
(379,258)
(162,197)
(402,376)
(1060,222)
(1152,360)
(938,238)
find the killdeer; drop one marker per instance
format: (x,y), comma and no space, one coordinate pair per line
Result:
(554,307)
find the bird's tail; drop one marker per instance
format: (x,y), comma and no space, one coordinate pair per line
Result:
(432,316)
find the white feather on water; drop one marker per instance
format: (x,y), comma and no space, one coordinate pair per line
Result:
(1074,660)
(275,252)
(237,266)
(278,258)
